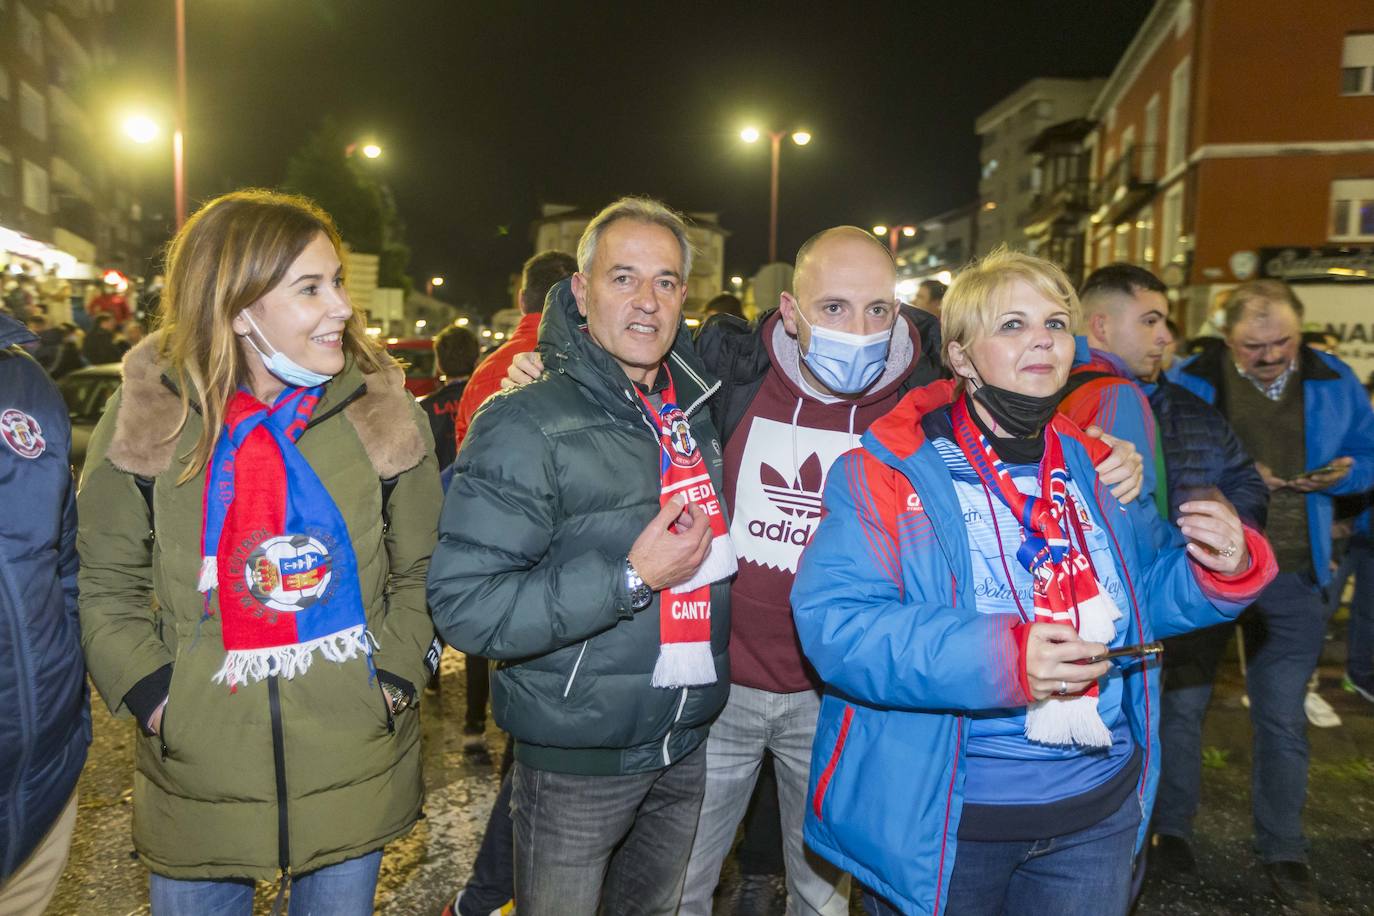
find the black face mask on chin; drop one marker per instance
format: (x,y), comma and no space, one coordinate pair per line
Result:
(1020,415)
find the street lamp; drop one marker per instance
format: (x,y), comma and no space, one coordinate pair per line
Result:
(431,283)
(907,231)
(799,137)
(140,128)
(369,150)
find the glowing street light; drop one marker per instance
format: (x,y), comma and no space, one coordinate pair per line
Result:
(140,128)
(372,151)
(432,283)
(801,138)
(880,229)
(908,231)
(462,322)
(437,281)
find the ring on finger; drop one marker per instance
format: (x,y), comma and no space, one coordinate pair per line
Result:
(1228,551)
(1063,688)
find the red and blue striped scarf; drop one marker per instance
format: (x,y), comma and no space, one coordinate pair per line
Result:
(1066,589)
(275,547)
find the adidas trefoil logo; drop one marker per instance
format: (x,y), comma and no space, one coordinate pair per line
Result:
(800,500)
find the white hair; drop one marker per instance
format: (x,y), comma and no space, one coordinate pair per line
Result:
(640,209)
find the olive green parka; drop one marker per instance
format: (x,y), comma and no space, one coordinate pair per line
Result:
(277,774)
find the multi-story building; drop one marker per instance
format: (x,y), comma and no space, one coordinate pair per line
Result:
(1236,139)
(61,201)
(560,226)
(942,245)
(1053,226)
(1008,186)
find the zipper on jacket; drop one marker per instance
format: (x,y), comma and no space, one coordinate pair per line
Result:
(279,765)
(386,708)
(357,393)
(680,704)
(576,665)
(162,728)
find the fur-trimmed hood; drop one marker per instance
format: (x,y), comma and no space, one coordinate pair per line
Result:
(377,404)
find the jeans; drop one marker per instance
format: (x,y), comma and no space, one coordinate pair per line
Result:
(1087,873)
(1360,631)
(344,889)
(755,721)
(1190,664)
(617,843)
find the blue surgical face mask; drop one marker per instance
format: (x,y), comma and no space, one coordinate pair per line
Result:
(281,365)
(846,363)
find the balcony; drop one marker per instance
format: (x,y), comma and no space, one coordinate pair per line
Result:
(1125,185)
(1061,206)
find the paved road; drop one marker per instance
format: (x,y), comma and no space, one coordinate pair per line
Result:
(420,871)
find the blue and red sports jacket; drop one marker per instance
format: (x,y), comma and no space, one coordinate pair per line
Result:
(885,610)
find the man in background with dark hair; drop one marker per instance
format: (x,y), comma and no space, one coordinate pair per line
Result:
(537,277)
(1125,313)
(723,304)
(929,296)
(455,352)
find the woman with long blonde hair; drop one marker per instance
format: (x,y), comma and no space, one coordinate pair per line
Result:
(258,508)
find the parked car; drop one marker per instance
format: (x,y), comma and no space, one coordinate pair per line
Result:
(422,374)
(86,392)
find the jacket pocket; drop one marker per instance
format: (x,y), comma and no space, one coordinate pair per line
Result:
(823,782)
(162,726)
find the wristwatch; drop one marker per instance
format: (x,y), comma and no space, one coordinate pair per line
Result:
(640,593)
(397,698)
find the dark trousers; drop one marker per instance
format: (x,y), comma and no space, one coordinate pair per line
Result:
(478,693)
(614,844)
(1283,641)
(1190,665)
(1360,630)
(492,884)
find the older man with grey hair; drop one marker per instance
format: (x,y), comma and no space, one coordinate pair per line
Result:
(584,545)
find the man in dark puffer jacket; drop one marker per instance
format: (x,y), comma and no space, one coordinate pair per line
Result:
(45,719)
(1125,308)
(556,560)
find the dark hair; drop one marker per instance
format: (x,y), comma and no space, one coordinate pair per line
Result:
(103,318)
(935,288)
(456,350)
(1126,279)
(724,304)
(539,275)
(1317,338)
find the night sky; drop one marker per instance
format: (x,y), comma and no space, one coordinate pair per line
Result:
(485,110)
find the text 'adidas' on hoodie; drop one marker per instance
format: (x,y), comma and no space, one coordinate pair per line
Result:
(776,463)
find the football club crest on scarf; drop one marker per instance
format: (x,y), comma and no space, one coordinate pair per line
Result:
(275,548)
(684,616)
(22,433)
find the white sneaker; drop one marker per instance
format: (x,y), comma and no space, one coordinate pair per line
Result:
(1319,712)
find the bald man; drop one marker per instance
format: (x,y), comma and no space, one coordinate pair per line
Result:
(798,389)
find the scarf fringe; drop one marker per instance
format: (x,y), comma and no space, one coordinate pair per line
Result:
(720,563)
(250,665)
(684,664)
(1097,617)
(1072,720)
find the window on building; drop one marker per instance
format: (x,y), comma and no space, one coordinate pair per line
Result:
(1178,115)
(1357,64)
(1128,147)
(33,111)
(1150,143)
(1121,244)
(1145,236)
(36,196)
(30,34)
(6,173)
(1171,226)
(4,82)
(1104,251)
(1352,209)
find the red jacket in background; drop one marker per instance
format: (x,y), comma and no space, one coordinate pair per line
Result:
(486,380)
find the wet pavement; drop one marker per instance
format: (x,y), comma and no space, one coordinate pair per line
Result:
(421,871)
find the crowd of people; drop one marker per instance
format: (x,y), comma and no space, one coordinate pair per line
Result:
(915,564)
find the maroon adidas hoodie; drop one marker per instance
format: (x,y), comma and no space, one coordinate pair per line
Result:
(775,468)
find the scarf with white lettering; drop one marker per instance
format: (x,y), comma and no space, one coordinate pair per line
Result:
(684,615)
(276,548)
(1066,588)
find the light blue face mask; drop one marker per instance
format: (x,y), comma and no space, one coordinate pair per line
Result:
(283,366)
(846,363)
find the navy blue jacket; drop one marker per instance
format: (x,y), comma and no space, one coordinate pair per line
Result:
(1339,423)
(1201,450)
(45,718)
